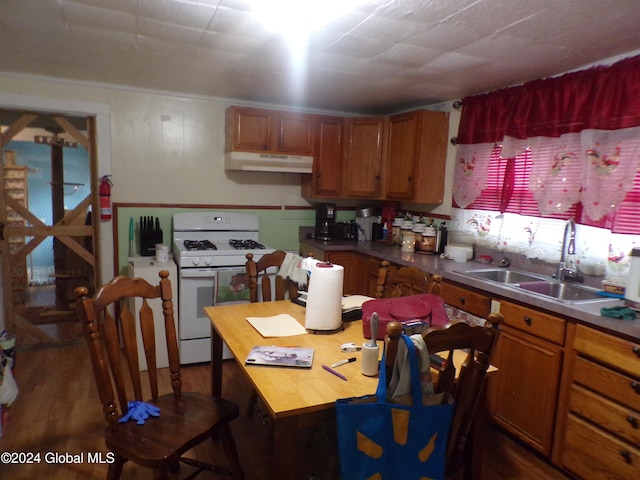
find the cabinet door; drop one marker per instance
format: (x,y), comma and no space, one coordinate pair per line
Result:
(294,133)
(523,395)
(433,133)
(327,159)
(402,156)
(249,129)
(363,156)
(354,271)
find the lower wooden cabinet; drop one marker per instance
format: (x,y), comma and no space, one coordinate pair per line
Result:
(523,397)
(355,267)
(602,434)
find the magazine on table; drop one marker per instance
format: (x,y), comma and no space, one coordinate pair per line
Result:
(274,355)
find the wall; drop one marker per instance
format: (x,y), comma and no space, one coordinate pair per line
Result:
(166,149)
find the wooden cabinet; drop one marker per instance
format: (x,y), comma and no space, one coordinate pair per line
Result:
(355,267)
(268,131)
(465,299)
(324,182)
(603,414)
(373,267)
(433,138)
(523,398)
(363,156)
(416,156)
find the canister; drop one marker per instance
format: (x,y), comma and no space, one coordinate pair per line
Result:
(418,229)
(395,230)
(408,241)
(429,239)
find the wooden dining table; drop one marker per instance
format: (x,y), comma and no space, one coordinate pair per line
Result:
(296,398)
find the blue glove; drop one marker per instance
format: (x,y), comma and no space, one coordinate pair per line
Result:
(140,411)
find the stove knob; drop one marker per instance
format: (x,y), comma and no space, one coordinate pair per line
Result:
(207,260)
(196,261)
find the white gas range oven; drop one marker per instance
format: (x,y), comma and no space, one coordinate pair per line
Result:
(210,250)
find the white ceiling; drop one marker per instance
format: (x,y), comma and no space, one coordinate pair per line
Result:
(385,56)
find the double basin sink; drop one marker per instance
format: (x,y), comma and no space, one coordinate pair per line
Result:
(539,284)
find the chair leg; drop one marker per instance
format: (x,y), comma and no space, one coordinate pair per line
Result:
(115,469)
(230,451)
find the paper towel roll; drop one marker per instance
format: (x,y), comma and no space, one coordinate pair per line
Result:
(324,298)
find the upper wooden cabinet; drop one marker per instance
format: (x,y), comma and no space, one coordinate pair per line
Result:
(268,131)
(327,162)
(363,156)
(416,158)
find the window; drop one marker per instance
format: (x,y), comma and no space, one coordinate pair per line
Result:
(507,187)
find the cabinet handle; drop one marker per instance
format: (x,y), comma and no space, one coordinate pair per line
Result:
(626,454)
(527,320)
(636,350)
(462,300)
(636,387)
(633,421)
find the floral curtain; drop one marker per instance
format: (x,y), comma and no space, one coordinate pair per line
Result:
(582,129)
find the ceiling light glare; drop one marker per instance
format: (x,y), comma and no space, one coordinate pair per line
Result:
(300,15)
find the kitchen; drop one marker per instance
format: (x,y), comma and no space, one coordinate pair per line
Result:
(180,166)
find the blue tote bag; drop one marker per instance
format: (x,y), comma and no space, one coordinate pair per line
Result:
(381,440)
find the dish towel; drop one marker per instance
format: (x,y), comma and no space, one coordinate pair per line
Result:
(622,313)
(292,268)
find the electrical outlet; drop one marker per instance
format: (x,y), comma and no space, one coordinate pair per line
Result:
(495,306)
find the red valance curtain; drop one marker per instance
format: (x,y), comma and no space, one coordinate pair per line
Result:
(606,98)
(581,131)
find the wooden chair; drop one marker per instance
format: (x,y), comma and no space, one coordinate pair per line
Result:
(466,387)
(258,276)
(404,281)
(186,419)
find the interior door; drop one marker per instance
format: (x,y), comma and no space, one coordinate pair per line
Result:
(72,230)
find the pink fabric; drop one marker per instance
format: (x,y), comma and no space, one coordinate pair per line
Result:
(583,131)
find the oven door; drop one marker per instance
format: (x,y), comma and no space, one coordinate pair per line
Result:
(197,291)
(200,288)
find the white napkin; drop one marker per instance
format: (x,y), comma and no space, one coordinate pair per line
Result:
(292,268)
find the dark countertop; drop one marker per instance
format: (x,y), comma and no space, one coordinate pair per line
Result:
(587,313)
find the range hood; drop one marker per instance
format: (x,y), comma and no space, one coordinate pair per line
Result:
(267,162)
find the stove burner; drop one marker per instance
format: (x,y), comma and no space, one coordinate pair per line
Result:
(245,244)
(199,245)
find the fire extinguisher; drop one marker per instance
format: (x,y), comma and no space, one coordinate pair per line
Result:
(105,198)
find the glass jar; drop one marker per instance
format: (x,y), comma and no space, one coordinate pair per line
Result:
(408,241)
(395,231)
(418,229)
(429,239)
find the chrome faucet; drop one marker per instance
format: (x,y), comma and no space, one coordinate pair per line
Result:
(567,268)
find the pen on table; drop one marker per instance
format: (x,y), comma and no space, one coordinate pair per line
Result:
(342,362)
(331,370)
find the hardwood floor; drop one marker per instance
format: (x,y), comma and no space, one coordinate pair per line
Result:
(57,411)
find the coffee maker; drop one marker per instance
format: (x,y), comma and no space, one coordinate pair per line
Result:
(325,220)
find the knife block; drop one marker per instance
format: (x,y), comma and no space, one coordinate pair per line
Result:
(148,241)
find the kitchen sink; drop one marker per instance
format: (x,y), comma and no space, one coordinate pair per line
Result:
(539,284)
(564,292)
(505,275)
